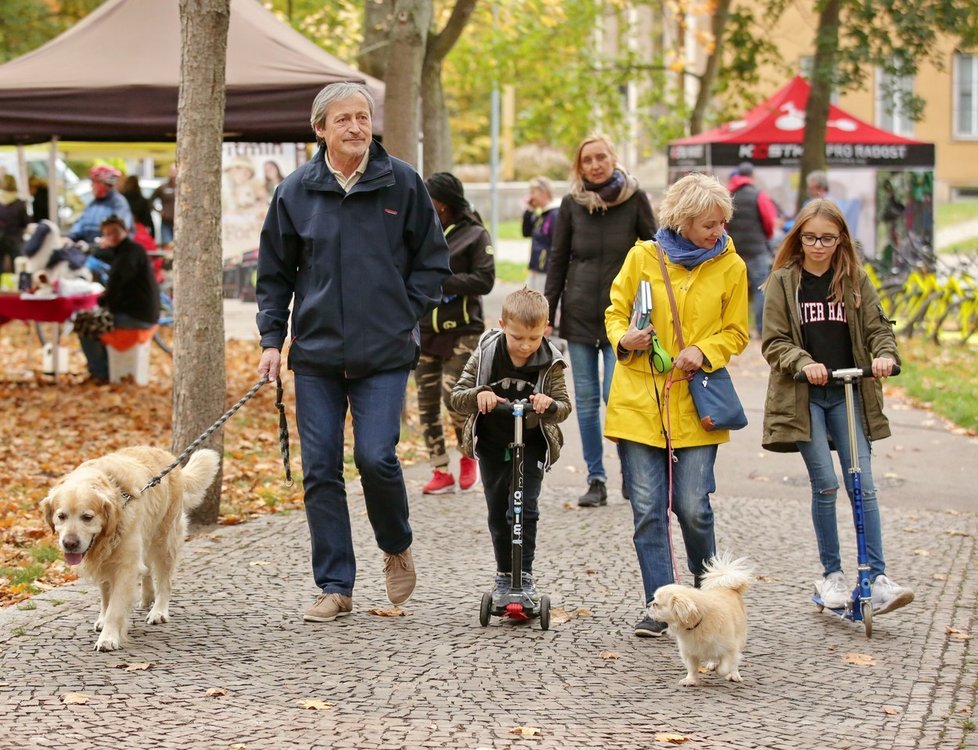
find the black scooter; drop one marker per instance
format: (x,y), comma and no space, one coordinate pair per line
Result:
(516,605)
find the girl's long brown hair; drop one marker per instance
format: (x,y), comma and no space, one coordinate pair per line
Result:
(844,261)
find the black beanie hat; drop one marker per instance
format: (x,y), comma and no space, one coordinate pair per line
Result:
(447,188)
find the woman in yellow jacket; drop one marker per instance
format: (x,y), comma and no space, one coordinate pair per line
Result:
(709,281)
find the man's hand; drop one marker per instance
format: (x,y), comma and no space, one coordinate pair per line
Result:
(270,364)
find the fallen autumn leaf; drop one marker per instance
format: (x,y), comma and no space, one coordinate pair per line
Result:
(314,704)
(859,660)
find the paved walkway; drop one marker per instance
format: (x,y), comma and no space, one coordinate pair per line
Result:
(435,679)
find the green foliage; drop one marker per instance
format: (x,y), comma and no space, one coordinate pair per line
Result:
(27,24)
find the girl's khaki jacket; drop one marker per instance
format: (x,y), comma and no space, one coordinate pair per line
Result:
(475,378)
(787,419)
(712,302)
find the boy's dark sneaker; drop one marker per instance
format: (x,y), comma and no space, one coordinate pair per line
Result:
(596,495)
(649,628)
(501,586)
(529,587)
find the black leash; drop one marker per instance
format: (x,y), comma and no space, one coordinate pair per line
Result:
(283,434)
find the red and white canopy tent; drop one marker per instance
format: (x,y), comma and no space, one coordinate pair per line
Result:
(870,170)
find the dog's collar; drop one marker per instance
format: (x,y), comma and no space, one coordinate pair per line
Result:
(696,625)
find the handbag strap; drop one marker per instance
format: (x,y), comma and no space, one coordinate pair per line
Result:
(672,298)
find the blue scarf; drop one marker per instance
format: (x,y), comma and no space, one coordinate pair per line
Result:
(680,250)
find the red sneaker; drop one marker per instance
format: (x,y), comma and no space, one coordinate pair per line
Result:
(441,482)
(468,473)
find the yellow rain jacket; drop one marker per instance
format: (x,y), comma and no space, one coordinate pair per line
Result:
(712,302)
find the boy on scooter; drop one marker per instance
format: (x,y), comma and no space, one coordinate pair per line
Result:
(513,362)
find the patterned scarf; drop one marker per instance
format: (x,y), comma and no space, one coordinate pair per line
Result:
(600,197)
(680,250)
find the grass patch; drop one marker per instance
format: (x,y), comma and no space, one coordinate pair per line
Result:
(511,271)
(967,246)
(941,377)
(27,606)
(23,576)
(947,214)
(513,229)
(44,553)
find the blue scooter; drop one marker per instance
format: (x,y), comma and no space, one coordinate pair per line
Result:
(859,608)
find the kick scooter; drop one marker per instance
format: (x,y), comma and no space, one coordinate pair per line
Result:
(516,604)
(859,608)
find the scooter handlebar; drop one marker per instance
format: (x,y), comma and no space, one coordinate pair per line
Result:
(507,407)
(840,375)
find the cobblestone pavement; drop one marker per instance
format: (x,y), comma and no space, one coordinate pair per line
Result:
(435,678)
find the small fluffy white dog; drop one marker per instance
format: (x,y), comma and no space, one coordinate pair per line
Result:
(709,623)
(118,537)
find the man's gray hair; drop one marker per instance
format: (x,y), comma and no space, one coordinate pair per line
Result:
(335,92)
(818,179)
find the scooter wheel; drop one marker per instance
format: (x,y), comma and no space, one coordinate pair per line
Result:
(866,610)
(545,613)
(484,609)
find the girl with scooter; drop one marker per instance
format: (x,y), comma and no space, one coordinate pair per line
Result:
(822,314)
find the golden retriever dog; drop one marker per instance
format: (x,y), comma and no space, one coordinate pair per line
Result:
(118,537)
(709,623)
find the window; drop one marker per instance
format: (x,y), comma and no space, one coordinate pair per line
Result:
(965,96)
(891,109)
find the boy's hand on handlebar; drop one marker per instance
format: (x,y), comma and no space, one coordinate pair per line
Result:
(882,367)
(487,401)
(541,402)
(816,373)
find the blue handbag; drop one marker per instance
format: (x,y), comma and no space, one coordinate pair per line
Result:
(714,397)
(716,401)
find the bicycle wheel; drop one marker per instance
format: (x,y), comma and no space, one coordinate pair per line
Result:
(163,338)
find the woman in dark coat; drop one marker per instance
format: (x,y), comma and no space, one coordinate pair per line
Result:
(599,222)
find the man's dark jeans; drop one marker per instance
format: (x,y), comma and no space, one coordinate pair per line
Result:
(321,405)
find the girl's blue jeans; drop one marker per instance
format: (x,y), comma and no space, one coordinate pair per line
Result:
(827,406)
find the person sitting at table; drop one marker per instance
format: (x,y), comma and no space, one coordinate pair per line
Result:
(131,294)
(106,201)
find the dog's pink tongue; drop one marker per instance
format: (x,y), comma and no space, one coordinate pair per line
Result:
(73,558)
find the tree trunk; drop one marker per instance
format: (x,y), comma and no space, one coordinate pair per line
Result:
(408,36)
(436,128)
(820,97)
(199,385)
(709,77)
(374,50)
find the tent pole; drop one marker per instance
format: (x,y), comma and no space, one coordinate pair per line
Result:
(53,187)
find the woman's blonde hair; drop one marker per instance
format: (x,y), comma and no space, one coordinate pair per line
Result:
(692,196)
(576,175)
(844,262)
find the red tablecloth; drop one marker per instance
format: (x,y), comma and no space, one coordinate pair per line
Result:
(55,310)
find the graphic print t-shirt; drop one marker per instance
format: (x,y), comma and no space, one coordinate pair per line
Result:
(823,323)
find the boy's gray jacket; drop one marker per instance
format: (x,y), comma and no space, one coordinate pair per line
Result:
(787,419)
(475,378)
